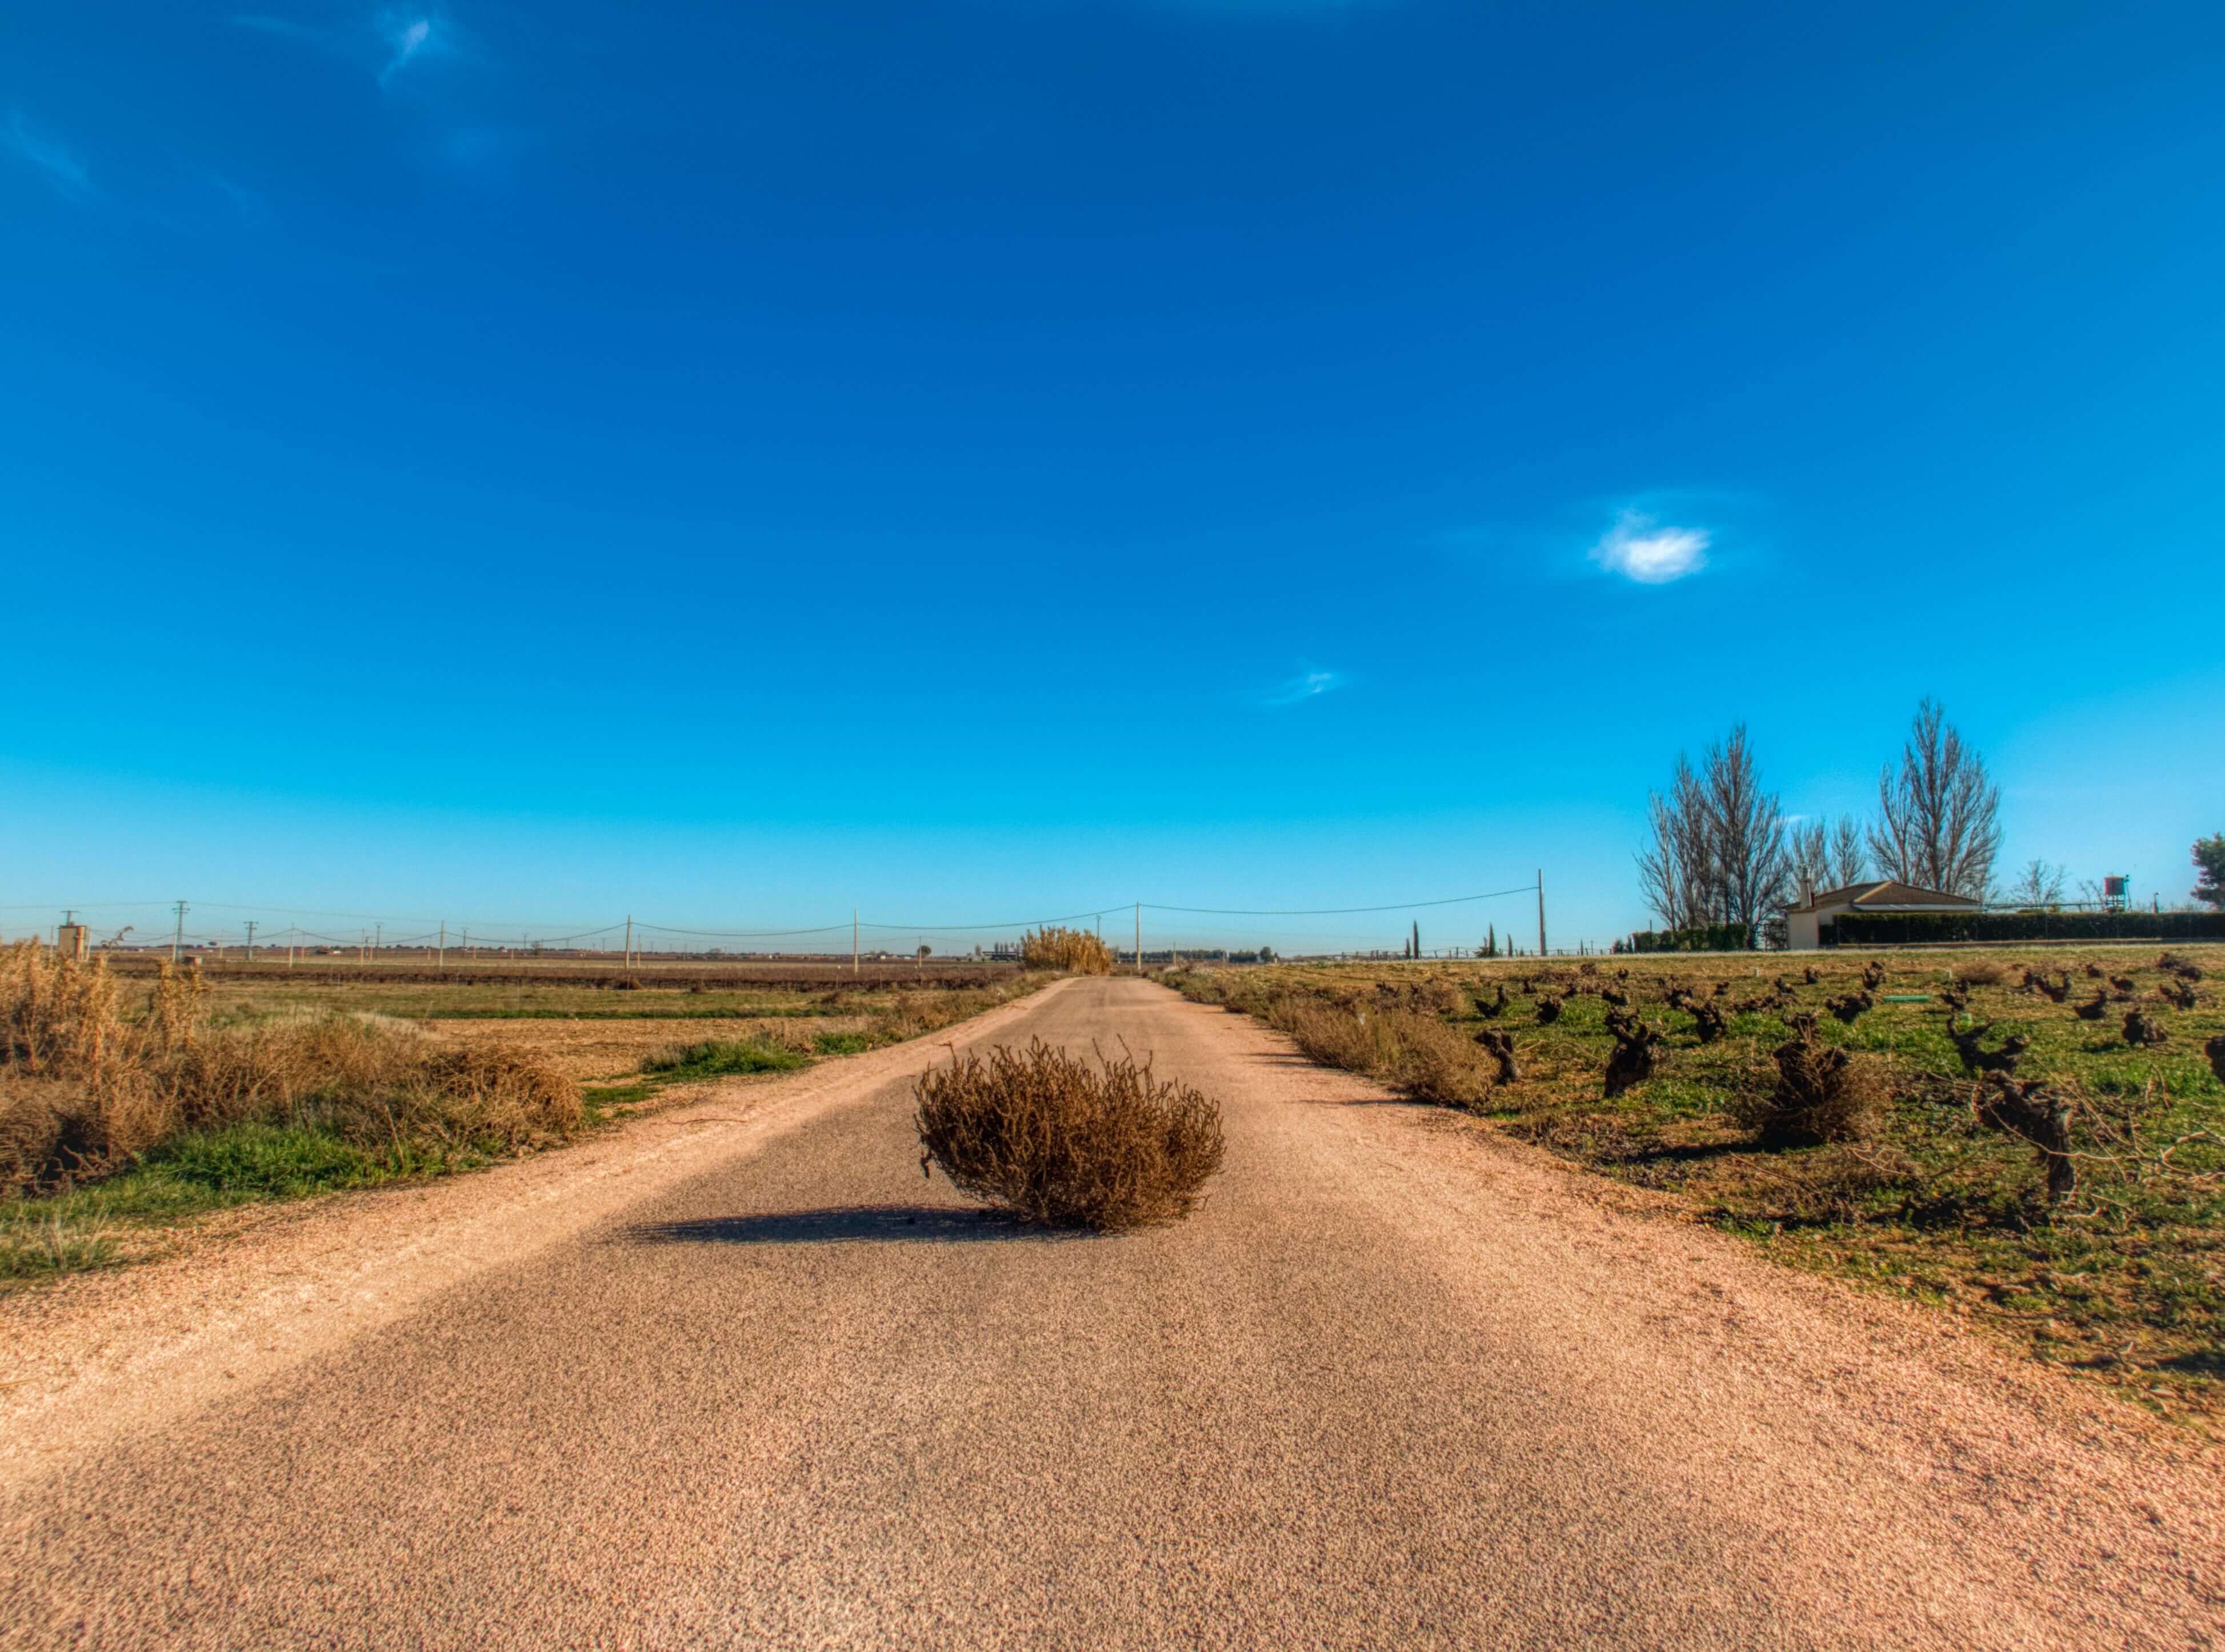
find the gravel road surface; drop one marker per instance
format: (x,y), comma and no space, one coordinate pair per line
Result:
(740,1377)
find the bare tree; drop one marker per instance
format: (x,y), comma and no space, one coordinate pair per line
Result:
(1676,868)
(1811,858)
(2038,885)
(1850,863)
(1746,829)
(1938,823)
(1826,855)
(1716,851)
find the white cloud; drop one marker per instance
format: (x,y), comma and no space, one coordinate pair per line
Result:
(48,155)
(405,36)
(1306,685)
(1649,552)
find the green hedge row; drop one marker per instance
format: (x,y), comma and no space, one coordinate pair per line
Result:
(1707,938)
(1915,928)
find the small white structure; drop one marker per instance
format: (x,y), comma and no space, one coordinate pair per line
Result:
(1804,924)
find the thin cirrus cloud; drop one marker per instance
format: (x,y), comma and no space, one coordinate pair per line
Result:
(48,155)
(1307,684)
(393,39)
(406,37)
(1649,552)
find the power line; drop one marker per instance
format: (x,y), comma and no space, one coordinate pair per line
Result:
(1332,911)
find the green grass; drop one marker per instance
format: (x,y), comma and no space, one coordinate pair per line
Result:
(719,1058)
(119,1220)
(843,1044)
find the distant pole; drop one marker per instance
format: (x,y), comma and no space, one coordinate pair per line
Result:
(293,940)
(379,946)
(441,958)
(1541,912)
(853,941)
(1139,937)
(178,937)
(629,950)
(250,941)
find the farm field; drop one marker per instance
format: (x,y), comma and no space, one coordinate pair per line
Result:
(1394,1379)
(274,1079)
(1928,1191)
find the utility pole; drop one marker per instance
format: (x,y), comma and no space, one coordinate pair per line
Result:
(628,955)
(250,941)
(440,957)
(1541,912)
(853,941)
(1139,937)
(178,936)
(379,946)
(293,940)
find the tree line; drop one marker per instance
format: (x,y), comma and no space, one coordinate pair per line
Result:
(1720,850)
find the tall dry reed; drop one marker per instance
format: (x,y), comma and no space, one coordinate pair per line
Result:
(1075,951)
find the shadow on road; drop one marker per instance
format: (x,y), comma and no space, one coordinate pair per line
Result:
(846,1224)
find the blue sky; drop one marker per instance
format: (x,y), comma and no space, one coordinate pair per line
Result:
(1001,458)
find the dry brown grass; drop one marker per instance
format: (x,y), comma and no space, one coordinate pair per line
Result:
(1076,952)
(84,1091)
(1067,1143)
(1981,971)
(1415,1052)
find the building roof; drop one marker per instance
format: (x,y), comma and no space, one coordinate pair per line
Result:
(1888,895)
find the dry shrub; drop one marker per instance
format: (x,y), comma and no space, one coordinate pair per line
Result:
(1439,998)
(1982,972)
(1332,1034)
(1075,951)
(1821,1094)
(1063,1142)
(1419,1053)
(1430,1061)
(82,1092)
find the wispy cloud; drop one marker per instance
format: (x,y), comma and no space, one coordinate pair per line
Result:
(49,156)
(406,36)
(1650,552)
(286,28)
(391,39)
(1309,685)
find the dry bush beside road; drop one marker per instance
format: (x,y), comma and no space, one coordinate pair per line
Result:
(1065,1144)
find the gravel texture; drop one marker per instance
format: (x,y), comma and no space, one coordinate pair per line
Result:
(739,1375)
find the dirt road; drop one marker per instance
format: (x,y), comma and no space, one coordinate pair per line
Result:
(1396,1385)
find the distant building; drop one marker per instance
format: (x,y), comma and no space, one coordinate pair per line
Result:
(1804,924)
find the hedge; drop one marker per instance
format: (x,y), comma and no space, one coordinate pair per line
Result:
(1706,937)
(1916,928)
